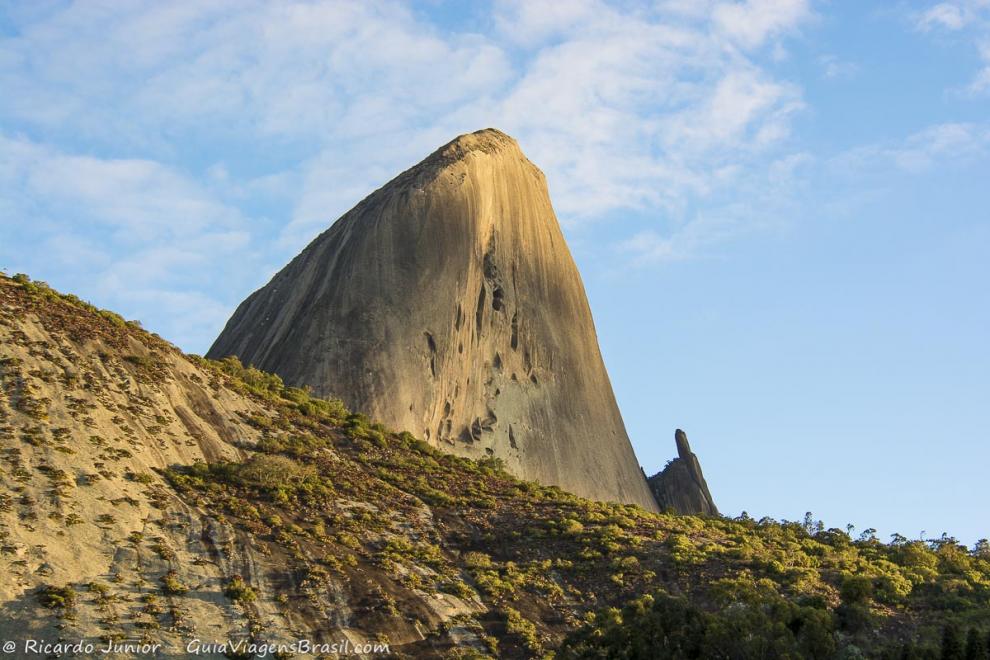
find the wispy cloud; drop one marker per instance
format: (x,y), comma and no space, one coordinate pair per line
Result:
(968,19)
(835,68)
(751,23)
(930,147)
(981,82)
(644,110)
(951,15)
(250,126)
(761,200)
(830,185)
(110,227)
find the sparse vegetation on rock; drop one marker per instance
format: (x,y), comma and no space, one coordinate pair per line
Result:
(344,523)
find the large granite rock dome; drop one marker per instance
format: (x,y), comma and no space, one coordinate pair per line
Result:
(447,304)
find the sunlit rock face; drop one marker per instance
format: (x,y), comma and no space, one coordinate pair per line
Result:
(447,304)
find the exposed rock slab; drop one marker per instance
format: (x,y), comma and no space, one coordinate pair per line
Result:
(447,304)
(91,416)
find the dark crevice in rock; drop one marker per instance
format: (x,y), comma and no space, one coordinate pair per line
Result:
(432,344)
(480,314)
(497,296)
(492,275)
(489,267)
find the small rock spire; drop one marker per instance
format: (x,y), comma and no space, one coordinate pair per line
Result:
(681,486)
(683,446)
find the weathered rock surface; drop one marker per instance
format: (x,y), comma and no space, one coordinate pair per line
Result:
(681,486)
(92,414)
(447,304)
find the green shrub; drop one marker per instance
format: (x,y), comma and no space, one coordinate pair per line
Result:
(524,629)
(571,527)
(491,465)
(139,477)
(239,591)
(856,588)
(669,627)
(53,597)
(476,560)
(172,585)
(273,472)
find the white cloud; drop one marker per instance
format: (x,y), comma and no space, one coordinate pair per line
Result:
(760,201)
(970,19)
(141,199)
(107,228)
(289,70)
(834,68)
(248,127)
(981,82)
(950,141)
(534,22)
(933,146)
(339,75)
(749,24)
(639,109)
(944,15)
(744,109)
(649,245)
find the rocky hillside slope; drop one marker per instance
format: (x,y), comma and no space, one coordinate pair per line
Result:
(151,497)
(447,304)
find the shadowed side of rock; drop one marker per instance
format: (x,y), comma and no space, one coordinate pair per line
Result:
(681,486)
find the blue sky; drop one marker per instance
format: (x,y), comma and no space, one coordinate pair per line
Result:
(779,207)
